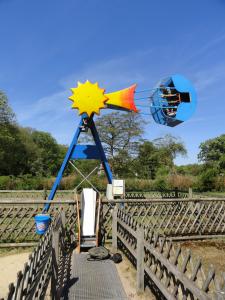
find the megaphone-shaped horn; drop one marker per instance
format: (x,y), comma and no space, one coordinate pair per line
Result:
(122,99)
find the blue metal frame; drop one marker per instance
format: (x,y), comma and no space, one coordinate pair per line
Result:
(82,152)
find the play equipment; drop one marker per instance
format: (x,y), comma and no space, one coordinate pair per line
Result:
(172,102)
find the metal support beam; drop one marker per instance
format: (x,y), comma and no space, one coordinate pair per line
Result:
(83,152)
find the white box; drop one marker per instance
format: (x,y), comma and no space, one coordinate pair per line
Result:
(118,187)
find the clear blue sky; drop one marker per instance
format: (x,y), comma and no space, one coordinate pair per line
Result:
(46,46)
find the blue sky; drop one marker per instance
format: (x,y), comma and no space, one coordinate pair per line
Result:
(46,46)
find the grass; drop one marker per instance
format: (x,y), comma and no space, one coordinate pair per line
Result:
(212,194)
(16,250)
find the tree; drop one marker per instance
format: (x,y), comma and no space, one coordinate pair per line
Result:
(147,161)
(11,148)
(157,156)
(207,179)
(48,158)
(7,116)
(120,132)
(173,146)
(212,152)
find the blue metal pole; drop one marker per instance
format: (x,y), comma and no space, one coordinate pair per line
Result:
(64,164)
(101,151)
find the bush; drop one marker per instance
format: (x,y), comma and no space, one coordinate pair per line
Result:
(207,180)
(5,183)
(133,184)
(220,183)
(182,182)
(161,183)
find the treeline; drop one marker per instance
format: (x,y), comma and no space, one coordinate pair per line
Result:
(30,159)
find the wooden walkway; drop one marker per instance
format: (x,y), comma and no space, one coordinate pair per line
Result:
(94,280)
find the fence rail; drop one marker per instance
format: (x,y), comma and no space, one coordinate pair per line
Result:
(45,267)
(69,194)
(175,218)
(17,219)
(170,272)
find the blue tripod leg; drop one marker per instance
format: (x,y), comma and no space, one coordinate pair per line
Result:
(63,166)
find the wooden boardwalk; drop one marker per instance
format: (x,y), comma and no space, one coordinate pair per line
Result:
(94,280)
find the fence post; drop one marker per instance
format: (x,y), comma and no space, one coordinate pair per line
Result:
(55,243)
(55,261)
(140,260)
(176,192)
(114,228)
(63,217)
(190,193)
(45,194)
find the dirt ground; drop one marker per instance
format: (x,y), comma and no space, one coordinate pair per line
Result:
(127,275)
(211,252)
(10,263)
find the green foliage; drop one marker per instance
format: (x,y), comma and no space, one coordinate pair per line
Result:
(192,169)
(207,180)
(156,158)
(120,132)
(171,145)
(212,152)
(161,183)
(6,114)
(30,159)
(147,161)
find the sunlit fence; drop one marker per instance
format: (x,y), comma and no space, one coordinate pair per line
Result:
(17,219)
(170,272)
(174,218)
(45,267)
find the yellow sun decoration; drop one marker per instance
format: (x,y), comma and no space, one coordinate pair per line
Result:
(88,98)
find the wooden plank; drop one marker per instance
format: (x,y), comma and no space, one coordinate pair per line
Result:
(114,228)
(127,227)
(201,295)
(159,285)
(13,245)
(126,244)
(140,260)
(167,200)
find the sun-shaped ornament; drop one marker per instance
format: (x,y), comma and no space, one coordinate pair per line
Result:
(88,98)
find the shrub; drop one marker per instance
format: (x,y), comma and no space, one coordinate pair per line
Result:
(220,183)
(207,180)
(161,183)
(182,182)
(5,182)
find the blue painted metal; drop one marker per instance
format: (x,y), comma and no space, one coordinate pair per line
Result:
(101,151)
(86,152)
(185,108)
(81,152)
(64,164)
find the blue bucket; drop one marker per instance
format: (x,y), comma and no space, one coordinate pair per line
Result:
(42,221)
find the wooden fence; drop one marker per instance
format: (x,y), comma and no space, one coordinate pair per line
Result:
(175,218)
(166,269)
(17,219)
(170,272)
(69,194)
(46,266)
